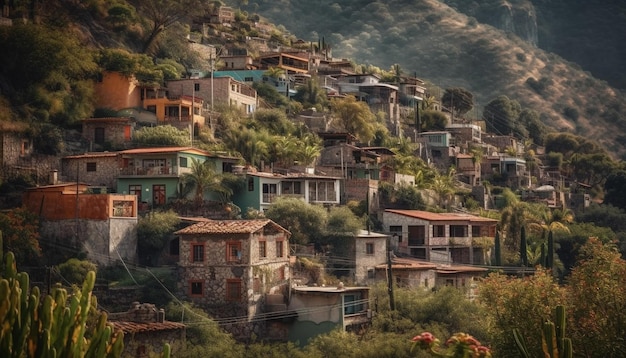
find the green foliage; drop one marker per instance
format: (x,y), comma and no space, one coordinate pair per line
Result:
(45,73)
(501,116)
(21,235)
(166,135)
(509,302)
(75,271)
(204,178)
(305,221)
(458,99)
(53,325)
(204,336)
(47,139)
(269,93)
(311,95)
(154,230)
(597,301)
(354,117)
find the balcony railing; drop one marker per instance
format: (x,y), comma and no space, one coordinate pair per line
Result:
(152,171)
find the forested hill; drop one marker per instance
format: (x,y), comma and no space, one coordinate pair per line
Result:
(448,48)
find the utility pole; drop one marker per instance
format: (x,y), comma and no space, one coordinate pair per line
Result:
(392,303)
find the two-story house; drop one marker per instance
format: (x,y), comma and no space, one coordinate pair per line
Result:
(154,175)
(229,266)
(212,91)
(505,169)
(441,237)
(262,189)
(178,109)
(103,226)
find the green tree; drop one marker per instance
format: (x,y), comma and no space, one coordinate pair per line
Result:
(204,178)
(521,303)
(597,301)
(501,116)
(354,117)
(270,94)
(311,95)
(615,189)
(252,145)
(75,271)
(305,221)
(153,232)
(160,15)
(458,100)
(166,135)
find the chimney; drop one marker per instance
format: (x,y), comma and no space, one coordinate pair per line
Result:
(54,177)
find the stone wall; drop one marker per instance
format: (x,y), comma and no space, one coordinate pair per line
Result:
(107,170)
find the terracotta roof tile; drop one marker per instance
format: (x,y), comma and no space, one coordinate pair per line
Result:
(228,227)
(427,215)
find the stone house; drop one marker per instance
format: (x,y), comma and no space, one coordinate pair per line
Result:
(440,237)
(103,226)
(98,169)
(146,331)
(108,133)
(228,267)
(369,251)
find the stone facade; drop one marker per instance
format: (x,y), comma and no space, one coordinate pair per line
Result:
(220,89)
(146,331)
(230,274)
(108,133)
(97,169)
(370,251)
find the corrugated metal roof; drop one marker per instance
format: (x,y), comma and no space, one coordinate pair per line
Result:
(430,216)
(398,263)
(228,227)
(135,327)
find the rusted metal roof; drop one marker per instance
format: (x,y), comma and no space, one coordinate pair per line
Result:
(229,227)
(137,327)
(427,215)
(399,263)
(92,155)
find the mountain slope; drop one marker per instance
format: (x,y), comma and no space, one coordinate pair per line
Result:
(445,47)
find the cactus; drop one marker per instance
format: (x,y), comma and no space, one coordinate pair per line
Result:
(554,344)
(30,327)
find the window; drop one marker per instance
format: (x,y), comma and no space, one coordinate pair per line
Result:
(439,230)
(352,304)
(369,248)
(233,251)
(98,135)
(371,274)
(417,235)
(248,79)
(91,166)
(183,162)
(197,252)
(475,231)
(135,190)
(322,191)
(195,288)
(175,247)
(458,231)
(233,290)
(250,184)
(196,86)
(396,230)
(279,248)
(269,193)
(262,249)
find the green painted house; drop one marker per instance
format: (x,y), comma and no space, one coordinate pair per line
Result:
(154,174)
(262,189)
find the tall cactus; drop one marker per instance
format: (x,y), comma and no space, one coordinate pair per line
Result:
(53,327)
(554,344)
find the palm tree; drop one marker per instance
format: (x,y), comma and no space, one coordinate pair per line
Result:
(204,178)
(443,186)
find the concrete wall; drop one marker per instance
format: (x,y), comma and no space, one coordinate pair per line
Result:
(365,262)
(101,240)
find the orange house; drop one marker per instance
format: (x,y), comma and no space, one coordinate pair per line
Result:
(117,91)
(103,226)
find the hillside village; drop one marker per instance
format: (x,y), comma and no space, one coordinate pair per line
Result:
(244,271)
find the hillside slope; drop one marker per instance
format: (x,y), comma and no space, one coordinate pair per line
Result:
(448,48)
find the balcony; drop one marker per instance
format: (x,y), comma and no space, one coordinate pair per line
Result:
(154,171)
